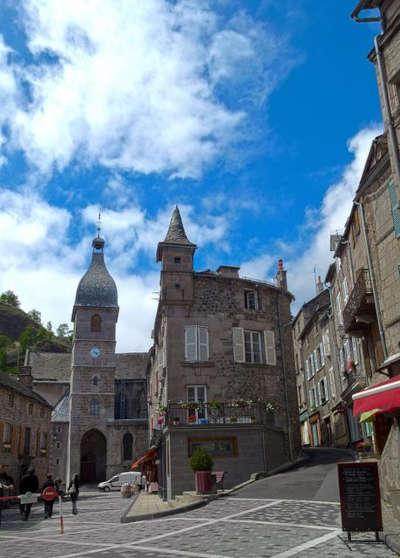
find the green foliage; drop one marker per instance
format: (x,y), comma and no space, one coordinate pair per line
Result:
(36,316)
(9,297)
(63,330)
(201,460)
(5,342)
(31,336)
(49,327)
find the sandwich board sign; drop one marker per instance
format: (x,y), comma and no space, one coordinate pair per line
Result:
(360,499)
(28,498)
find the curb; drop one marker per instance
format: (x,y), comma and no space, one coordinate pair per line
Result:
(173,511)
(392,542)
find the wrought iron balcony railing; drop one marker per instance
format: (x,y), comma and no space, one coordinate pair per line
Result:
(189,414)
(360,303)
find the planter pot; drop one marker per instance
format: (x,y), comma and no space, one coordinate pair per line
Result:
(205,482)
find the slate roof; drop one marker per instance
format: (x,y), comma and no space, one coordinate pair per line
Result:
(176,231)
(97,288)
(61,410)
(12,383)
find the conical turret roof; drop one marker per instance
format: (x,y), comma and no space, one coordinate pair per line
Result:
(176,231)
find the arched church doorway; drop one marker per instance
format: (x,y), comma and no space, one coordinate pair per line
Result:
(93,457)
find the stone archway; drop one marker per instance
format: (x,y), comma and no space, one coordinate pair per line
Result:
(93,456)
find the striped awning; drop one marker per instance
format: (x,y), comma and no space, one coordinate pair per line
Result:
(148,456)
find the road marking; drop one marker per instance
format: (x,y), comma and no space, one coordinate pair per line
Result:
(286,500)
(55,540)
(284,524)
(178,552)
(309,544)
(171,533)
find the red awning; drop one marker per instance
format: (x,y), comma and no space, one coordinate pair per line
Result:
(148,456)
(384,396)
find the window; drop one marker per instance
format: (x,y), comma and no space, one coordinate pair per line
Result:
(332,383)
(311,395)
(197,414)
(323,391)
(58,445)
(339,310)
(43,442)
(11,399)
(94,408)
(254,346)
(127,446)
(27,441)
(95,381)
(95,323)
(354,349)
(196,343)
(318,357)
(30,409)
(395,207)
(250,300)
(177,260)
(313,362)
(308,374)
(7,436)
(326,343)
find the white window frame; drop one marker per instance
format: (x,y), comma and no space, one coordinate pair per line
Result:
(326,343)
(197,350)
(200,414)
(248,293)
(267,342)
(307,367)
(258,344)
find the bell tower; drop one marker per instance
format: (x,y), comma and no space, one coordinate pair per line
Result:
(92,390)
(175,253)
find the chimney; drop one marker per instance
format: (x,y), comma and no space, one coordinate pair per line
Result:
(25,374)
(281,279)
(319,285)
(230,271)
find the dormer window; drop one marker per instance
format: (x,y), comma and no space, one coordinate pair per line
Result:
(95,323)
(250,300)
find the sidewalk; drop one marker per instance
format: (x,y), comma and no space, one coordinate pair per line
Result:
(150,506)
(391,528)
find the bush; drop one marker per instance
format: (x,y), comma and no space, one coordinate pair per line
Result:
(201,460)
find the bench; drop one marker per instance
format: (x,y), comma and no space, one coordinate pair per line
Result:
(219,479)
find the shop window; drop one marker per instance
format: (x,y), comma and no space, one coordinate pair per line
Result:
(95,323)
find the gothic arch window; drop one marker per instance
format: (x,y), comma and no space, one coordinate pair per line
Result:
(127,446)
(95,380)
(94,407)
(95,323)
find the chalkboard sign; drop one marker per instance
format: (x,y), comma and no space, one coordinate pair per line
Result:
(360,499)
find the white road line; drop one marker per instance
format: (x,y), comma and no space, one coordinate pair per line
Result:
(285,500)
(55,540)
(309,544)
(171,533)
(284,524)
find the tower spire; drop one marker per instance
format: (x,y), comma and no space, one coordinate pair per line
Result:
(176,231)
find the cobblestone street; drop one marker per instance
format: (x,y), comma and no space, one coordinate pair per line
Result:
(230,527)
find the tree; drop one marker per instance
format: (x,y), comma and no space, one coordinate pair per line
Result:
(9,297)
(63,330)
(49,327)
(36,316)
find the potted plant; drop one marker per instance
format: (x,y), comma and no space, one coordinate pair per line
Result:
(202,464)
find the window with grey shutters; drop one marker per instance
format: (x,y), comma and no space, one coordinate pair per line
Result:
(196,343)
(238,344)
(270,350)
(394,202)
(256,347)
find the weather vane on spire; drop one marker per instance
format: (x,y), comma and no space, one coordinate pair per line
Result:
(99,224)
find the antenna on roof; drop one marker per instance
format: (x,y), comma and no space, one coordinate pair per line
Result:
(99,224)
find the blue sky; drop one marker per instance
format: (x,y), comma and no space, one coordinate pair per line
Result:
(255,119)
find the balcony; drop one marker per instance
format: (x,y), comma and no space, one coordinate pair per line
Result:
(359,311)
(221,413)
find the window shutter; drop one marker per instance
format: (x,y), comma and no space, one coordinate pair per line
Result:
(321,348)
(270,353)
(238,344)
(318,395)
(190,343)
(164,356)
(307,369)
(355,349)
(326,343)
(203,343)
(395,208)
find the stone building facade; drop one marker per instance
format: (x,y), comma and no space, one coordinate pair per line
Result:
(222,369)
(25,428)
(99,422)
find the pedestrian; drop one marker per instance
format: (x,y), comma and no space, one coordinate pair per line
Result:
(29,483)
(58,483)
(48,504)
(73,491)
(8,484)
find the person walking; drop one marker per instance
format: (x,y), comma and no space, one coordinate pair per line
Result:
(73,491)
(29,483)
(8,485)
(48,502)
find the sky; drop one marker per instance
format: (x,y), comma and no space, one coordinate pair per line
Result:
(255,117)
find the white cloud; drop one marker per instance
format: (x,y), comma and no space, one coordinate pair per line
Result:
(320,223)
(135,85)
(39,262)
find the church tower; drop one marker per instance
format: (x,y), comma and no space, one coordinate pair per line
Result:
(176,255)
(92,388)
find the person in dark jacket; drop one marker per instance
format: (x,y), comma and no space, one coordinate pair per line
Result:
(73,491)
(8,485)
(48,504)
(29,483)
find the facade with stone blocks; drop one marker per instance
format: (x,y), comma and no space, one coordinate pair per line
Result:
(25,429)
(222,370)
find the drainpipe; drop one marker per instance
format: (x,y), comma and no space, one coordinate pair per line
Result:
(387,116)
(373,280)
(285,391)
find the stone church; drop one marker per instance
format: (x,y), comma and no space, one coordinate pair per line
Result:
(99,422)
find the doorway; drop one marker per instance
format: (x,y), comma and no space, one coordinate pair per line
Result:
(93,457)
